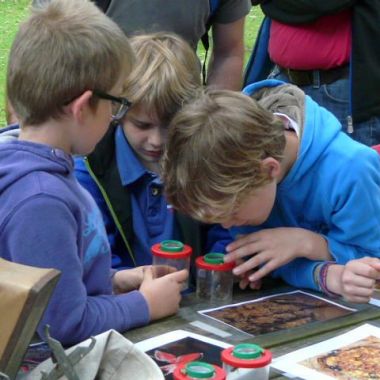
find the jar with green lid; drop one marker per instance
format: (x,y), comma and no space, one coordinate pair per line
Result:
(171,253)
(246,361)
(199,370)
(214,278)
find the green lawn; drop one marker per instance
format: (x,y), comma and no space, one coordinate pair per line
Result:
(13,11)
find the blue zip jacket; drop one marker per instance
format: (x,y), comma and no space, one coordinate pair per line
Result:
(332,189)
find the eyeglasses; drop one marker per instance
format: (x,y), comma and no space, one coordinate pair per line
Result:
(120,106)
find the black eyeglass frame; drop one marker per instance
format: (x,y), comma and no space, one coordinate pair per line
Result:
(125,104)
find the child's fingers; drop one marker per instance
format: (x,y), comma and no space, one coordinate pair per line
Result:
(367,262)
(358,291)
(148,273)
(162,270)
(179,276)
(376,266)
(358,281)
(243,283)
(263,268)
(171,269)
(370,260)
(239,241)
(363,268)
(250,265)
(248,249)
(255,285)
(357,299)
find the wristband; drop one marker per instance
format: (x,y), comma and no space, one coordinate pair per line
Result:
(316,272)
(320,277)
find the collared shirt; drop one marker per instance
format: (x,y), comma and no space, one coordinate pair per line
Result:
(153,219)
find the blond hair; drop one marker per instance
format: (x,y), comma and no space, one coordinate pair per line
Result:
(63,49)
(215,147)
(167,73)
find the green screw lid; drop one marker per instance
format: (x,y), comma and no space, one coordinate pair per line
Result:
(247,351)
(171,246)
(200,370)
(214,258)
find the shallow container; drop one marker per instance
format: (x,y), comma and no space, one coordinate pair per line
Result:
(246,361)
(171,253)
(199,370)
(214,278)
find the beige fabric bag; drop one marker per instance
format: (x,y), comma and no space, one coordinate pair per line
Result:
(112,358)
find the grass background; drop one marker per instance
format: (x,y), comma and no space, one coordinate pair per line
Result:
(14,11)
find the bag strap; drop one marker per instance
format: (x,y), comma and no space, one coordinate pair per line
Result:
(259,65)
(64,363)
(103,4)
(214,4)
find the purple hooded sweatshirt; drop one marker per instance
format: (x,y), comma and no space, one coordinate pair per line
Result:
(48,220)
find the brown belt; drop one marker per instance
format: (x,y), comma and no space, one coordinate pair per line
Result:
(310,77)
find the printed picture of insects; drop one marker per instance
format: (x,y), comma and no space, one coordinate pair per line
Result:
(185,350)
(278,312)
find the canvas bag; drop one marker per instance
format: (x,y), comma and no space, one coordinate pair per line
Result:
(113,357)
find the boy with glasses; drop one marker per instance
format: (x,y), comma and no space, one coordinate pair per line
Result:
(122,173)
(66,72)
(120,106)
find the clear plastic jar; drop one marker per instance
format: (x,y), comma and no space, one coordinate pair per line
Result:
(199,370)
(214,278)
(171,253)
(246,361)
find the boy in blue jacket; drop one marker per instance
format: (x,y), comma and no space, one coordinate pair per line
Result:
(300,197)
(123,172)
(65,76)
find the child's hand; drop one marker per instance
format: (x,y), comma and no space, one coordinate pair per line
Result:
(359,278)
(243,279)
(128,279)
(162,294)
(244,282)
(162,270)
(273,248)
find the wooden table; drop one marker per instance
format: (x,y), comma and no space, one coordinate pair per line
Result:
(280,342)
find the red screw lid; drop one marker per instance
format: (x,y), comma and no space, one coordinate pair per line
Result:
(171,249)
(214,261)
(246,355)
(199,370)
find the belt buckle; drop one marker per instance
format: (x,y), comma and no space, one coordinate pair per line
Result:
(288,73)
(299,78)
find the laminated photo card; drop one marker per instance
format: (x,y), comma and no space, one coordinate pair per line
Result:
(354,355)
(180,346)
(277,312)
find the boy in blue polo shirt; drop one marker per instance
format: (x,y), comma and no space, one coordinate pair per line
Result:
(122,174)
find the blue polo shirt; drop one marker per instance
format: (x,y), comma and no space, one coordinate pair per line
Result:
(153,219)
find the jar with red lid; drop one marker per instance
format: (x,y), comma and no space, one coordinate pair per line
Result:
(214,278)
(246,361)
(199,370)
(171,253)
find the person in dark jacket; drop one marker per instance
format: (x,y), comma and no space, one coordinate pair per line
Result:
(330,49)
